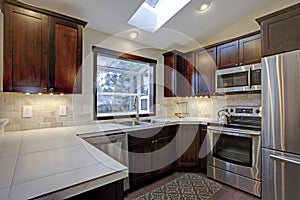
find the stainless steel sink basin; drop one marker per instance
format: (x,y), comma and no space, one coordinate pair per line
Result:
(141,122)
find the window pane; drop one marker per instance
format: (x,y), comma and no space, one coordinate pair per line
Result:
(119,81)
(113,104)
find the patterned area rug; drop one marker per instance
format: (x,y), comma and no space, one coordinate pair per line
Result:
(186,187)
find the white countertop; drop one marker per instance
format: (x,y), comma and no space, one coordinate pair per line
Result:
(59,163)
(98,129)
(38,162)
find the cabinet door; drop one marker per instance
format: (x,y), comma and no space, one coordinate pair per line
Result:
(250,50)
(164,151)
(66,56)
(169,74)
(228,55)
(203,160)
(280,31)
(190,82)
(188,146)
(205,71)
(140,159)
(25,50)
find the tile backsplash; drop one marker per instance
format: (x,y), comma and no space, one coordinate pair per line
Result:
(205,107)
(45,108)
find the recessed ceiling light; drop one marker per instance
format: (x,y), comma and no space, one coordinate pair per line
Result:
(204,6)
(133,34)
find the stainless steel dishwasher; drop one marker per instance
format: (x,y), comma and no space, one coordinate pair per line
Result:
(114,145)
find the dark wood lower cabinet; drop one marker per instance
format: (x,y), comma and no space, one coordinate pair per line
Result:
(202,155)
(157,152)
(151,155)
(188,146)
(112,191)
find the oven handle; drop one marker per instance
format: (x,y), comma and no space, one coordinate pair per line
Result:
(290,160)
(236,132)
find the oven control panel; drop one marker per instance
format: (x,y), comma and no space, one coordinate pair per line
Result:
(249,111)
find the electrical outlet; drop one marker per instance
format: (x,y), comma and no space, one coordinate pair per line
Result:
(62,110)
(87,109)
(27,111)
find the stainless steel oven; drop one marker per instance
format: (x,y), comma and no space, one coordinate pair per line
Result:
(235,149)
(237,79)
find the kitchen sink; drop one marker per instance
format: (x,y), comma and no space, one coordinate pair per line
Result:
(141,122)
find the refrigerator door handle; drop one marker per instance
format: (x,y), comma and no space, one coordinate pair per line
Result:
(297,162)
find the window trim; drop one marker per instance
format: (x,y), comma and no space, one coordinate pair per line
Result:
(125,56)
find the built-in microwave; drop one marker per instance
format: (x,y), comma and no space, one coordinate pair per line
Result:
(239,79)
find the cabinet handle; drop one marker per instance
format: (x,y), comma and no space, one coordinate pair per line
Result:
(50,90)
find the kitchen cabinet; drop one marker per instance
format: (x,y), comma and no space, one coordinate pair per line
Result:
(228,55)
(190,138)
(187,147)
(280,31)
(151,154)
(42,50)
(110,191)
(174,74)
(190,73)
(205,66)
(246,50)
(250,50)
(203,160)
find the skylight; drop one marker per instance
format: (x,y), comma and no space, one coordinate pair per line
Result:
(152,14)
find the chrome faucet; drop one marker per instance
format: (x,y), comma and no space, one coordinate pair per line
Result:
(136,106)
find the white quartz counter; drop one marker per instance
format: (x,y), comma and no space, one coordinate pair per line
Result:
(111,128)
(60,164)
(52,161)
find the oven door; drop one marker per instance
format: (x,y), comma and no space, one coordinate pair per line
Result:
(234,151)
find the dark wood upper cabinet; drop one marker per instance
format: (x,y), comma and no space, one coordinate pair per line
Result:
(250,50)
(25,49)
(228,55)
(169,74)
(280,31)
(174,74)
(205,66)
(242,51)
(42,50)
(65,65)
(190,82)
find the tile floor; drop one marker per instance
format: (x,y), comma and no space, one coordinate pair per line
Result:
(225,193)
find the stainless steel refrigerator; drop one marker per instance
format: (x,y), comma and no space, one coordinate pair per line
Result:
(281,126)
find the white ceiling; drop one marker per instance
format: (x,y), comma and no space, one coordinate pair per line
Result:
(186,27)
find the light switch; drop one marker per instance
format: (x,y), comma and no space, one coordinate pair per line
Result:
(62,110)
(27,111)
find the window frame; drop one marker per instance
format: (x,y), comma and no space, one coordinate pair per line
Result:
(124,56)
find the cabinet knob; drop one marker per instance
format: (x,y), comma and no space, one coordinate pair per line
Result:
(241,63)
(156,140)
(236,64)
(44,89)
(51,90)
(152,142)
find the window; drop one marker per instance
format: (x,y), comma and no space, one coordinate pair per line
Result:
(123,84)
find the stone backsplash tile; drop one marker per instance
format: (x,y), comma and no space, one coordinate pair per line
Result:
(45,110)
